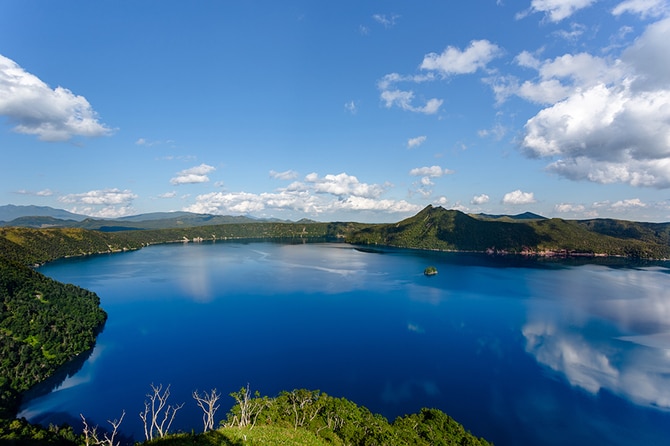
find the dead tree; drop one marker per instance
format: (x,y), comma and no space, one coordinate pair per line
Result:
(91,433)
(207,402)
(250,408)
(158,415)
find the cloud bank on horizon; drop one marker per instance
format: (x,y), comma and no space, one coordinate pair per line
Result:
(561,108)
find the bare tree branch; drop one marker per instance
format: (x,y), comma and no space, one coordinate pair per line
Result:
(207,402)
(156,404)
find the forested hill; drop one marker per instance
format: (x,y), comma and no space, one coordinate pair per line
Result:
(441,229)
(43,325)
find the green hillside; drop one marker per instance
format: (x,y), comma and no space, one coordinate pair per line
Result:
(440,229)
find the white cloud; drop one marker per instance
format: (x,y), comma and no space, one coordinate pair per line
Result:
(644,8)
(416,142)
(480,199)
(39,193)
(391,95)
(562,76)
(518,197)
(614,124)
(300,201)
(34,108)
(316,195)
(556,10)
(149,143)
(441,201)
(351,107)
(389,80)
(403,99)
(627,204)
(101,203)
(168,195)
(387,21)
(286,175)
(423,186)
(432,172)
(100,197)
(197,174)
(569,208)
(454,61)
(343,184)
(575,32)
(498,132)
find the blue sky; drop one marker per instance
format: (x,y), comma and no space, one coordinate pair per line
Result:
(348,110)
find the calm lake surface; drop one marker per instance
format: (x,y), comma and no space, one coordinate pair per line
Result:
(522,352)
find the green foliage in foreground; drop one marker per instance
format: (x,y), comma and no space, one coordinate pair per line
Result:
(306,417)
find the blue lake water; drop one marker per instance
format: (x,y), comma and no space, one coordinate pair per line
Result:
(520,351)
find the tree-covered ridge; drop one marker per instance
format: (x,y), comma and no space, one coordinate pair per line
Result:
(43,325)
(31,246)
(441,229)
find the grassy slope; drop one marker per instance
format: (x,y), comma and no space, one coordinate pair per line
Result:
(438,228)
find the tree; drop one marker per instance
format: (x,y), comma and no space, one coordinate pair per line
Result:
(207,402)
(248,408)
(91,437)
(158,415)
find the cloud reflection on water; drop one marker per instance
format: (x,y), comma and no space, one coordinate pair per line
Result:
(618,341)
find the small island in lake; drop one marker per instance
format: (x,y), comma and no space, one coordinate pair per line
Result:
(430,271)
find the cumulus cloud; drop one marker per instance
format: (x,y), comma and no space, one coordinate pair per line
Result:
(100,197)
(454,61)
(351,107)
(518,197)
(556,10)
(197,174)
(613,125)
(34,108)
(416,142)
(451,61)
(242,202)
(404,99)
(102,203)
(343,184)
(480,199)
(168,195)
(315,195)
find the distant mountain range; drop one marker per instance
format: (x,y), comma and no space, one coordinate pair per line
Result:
(11,212)
(47,217)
